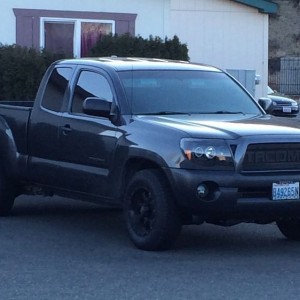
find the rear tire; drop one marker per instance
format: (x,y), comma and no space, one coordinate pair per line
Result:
(290,228)
(7,196)
(151,214)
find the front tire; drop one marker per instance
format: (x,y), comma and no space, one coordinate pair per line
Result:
(151,214)
(7,196)
(290,228)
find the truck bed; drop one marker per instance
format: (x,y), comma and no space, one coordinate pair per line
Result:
(17,114)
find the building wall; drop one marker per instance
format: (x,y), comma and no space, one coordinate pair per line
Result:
(225,34)
(150,14)
(218,32)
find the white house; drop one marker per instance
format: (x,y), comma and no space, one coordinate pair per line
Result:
(230,34)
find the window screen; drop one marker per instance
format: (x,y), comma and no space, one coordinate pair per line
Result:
(59,37)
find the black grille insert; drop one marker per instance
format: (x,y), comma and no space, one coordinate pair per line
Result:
(272,157)
(256,192)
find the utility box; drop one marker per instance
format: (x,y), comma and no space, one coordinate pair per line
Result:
(246,77)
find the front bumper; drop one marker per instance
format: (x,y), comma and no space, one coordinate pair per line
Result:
(232,195)
(285,110)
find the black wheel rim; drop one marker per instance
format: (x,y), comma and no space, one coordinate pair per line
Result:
(141,212)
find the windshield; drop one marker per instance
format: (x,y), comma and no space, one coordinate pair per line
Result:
(190,92)
(270,91)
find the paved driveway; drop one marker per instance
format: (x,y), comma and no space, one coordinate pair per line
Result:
(53,248)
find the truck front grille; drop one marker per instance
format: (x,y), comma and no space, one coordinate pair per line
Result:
(272,157)
(258,192)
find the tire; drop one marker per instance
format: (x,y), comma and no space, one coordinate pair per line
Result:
(151,215)
(290,228)
(7,196)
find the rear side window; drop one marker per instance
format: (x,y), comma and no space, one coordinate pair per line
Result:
(56,88)
(90,84)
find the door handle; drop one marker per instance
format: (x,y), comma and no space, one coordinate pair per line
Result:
(66,129)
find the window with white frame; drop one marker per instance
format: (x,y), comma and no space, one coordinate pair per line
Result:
(73,36)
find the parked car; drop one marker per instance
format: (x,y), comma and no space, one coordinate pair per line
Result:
(281,105)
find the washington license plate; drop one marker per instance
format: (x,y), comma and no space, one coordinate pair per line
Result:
(285,191)
(286,109)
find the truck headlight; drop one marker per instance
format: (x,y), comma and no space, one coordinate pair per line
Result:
(206,154)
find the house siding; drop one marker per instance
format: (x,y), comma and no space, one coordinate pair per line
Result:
(226,34)
(151,16)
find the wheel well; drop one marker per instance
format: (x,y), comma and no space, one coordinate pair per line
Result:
(136,164)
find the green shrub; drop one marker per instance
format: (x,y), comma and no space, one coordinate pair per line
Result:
(21,70)
(130,46)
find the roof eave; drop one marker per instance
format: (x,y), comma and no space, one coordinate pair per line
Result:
(264,6)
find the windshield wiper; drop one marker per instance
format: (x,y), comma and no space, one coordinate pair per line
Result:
(222,112)
(219,112)
(229,112)
(165,113)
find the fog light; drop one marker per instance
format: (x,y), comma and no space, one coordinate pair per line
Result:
(202,190)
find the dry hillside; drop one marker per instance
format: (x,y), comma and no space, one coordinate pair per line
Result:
(284,29)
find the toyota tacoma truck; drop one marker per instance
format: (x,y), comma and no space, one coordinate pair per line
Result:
(172,143)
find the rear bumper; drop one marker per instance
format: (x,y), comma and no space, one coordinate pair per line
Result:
(232,195)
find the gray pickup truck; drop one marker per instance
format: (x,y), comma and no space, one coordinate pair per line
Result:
(171,143)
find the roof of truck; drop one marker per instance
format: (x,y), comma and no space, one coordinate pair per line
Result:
(136,63)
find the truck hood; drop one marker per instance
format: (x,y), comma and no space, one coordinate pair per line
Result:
(226,126)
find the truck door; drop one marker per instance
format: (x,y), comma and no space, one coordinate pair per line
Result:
(44,164)
(87,142)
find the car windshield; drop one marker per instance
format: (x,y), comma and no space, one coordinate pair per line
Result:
(185,91)
(270,91)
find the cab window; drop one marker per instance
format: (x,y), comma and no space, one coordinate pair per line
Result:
(56,88)
(90,84)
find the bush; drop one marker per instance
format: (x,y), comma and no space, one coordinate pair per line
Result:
(21,70)
(129,46)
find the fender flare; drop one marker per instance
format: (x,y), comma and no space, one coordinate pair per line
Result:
(139,157)
(8,150)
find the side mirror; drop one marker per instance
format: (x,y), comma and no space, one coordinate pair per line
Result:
(265,103)
(95,106)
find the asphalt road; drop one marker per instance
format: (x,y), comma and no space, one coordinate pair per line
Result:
(53,248)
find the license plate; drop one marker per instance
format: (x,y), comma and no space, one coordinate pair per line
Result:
(287,109)
(285,191)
